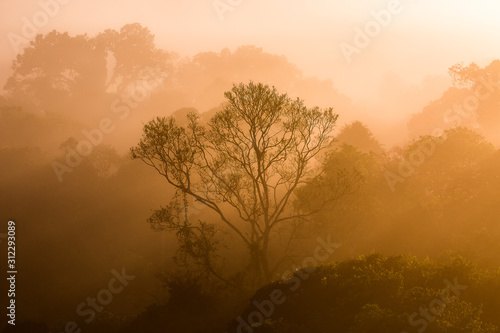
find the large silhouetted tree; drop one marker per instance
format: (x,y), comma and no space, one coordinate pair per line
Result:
(248,160)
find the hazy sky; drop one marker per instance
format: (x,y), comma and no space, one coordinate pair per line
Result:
(424,38)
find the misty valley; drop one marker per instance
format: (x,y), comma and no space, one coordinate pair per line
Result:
(223,187)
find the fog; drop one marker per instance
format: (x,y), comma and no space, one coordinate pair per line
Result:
(207,147)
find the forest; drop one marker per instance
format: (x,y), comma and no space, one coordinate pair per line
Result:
(228,191)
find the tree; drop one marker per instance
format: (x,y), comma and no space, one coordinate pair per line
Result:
(54,68)
(247,162)
(375,293)
(345,171)
(134,56)
(81,74)
(484,96)
(358,135)
(443,113)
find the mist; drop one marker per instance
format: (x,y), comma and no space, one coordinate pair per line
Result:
(250,166)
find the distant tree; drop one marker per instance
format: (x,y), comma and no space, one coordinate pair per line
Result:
(472,102)
(134,55)
(442,114)
(247,162)
(55,67)
(446,167)
(207,75)
(105,160)
(59,72)
(358,135)
(345,170)
(484,86)
(471,75)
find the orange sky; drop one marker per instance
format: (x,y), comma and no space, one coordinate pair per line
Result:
(424,38)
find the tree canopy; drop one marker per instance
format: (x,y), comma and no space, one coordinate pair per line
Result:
(248,160)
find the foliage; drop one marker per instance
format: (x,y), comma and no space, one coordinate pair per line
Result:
(380,294)
(358,135)
(255,152)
